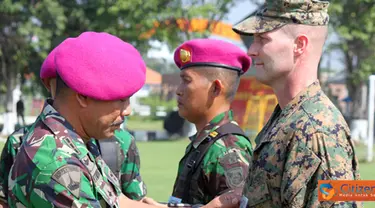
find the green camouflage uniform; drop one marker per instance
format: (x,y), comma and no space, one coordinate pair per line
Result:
(306,141)
(131,181)
(8,156)
(225,165)
(55,168)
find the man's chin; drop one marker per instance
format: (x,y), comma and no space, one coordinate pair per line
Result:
(263,80)
(182,113)
(185,115)
(107,135)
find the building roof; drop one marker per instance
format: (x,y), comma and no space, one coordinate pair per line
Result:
(153,77)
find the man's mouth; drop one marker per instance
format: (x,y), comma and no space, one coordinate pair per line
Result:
(117,123)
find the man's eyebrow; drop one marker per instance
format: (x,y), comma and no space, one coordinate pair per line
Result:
(264,35)
(184,76)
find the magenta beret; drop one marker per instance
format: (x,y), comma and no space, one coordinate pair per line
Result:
(100,66)
(48,69)
(211,52)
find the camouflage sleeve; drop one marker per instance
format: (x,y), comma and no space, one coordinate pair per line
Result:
(58,185)
(307,164)
(8,156)
(132,184)
(229,167)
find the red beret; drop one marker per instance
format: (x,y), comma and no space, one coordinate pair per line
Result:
(211,52)
(100,66)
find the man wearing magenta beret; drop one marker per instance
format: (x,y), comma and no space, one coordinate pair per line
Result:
(58,154)
(218,156)
(120,151)
(216,161)
(58,164)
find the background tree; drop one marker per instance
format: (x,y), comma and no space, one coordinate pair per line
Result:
(186,19)
(354,22)
(23,36)
(30,29)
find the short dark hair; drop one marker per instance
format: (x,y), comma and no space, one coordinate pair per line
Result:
(230,79)
(61,87)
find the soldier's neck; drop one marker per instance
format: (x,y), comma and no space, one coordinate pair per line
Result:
(286,90)
(68,113)
(209,115)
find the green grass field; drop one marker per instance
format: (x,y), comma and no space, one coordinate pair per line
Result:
(159,161)
(138,124)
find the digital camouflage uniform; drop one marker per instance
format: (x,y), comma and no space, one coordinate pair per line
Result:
(225,165)
(131,182)
(277,13)
(54,167)
(306,141)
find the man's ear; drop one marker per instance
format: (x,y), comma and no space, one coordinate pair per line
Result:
(218,87)
(300,45)
(82,100)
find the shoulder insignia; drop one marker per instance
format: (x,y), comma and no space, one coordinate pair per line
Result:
(235,177)
(230,158)
(70,144)
(69,176)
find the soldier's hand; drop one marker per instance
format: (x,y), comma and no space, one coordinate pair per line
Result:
(3,204)
(151,201)
(227,200)
(126,202)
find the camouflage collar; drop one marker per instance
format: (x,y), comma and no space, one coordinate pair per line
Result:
(280,116)
(215,123)
(268,127)
(301,97)
(46,109)
(56,123)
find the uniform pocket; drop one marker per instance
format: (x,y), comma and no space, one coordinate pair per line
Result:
(301,165)
(258,195)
